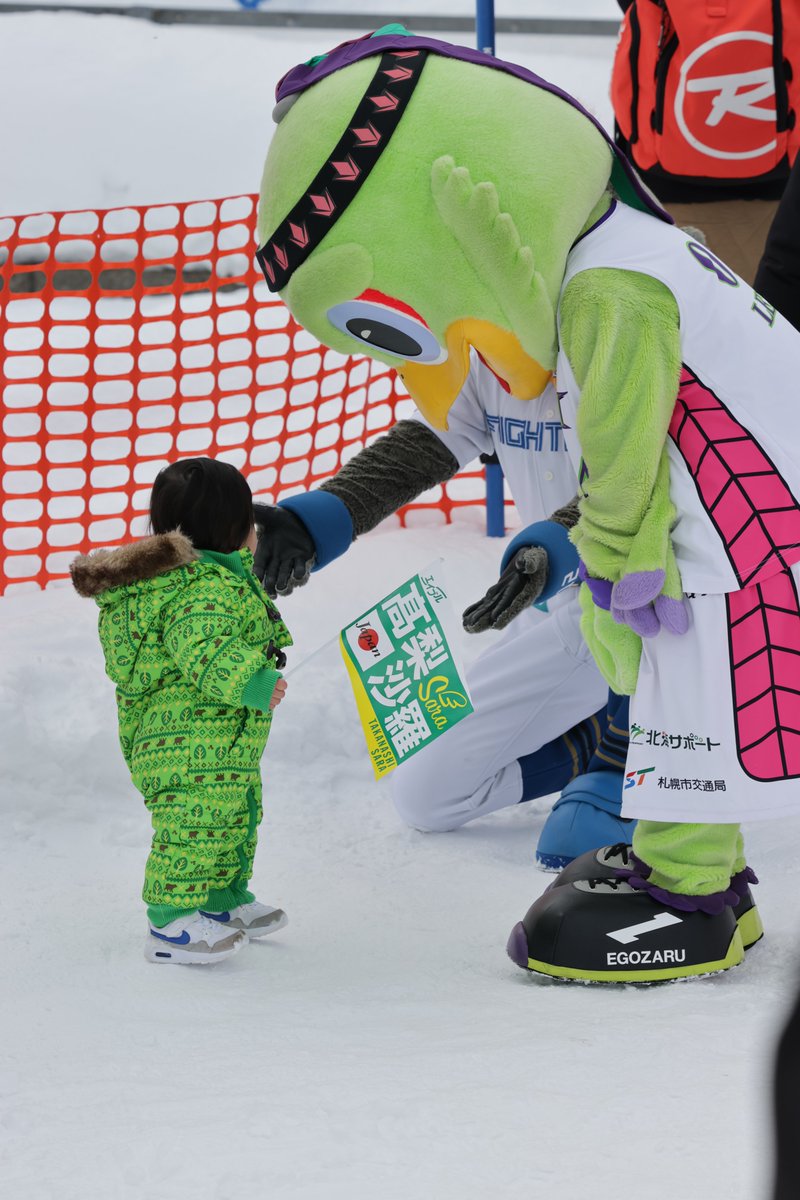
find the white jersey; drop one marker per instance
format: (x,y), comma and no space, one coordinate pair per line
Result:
(734,447)
(715,720)
(526,435)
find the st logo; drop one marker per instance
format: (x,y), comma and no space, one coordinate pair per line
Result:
(636,778)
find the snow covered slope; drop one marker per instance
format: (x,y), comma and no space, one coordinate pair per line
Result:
(382,1047)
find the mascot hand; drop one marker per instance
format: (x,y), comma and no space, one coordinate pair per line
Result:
(647,601)
(648,593)
(519,586)
(642,601)
(285,551)
(615,648)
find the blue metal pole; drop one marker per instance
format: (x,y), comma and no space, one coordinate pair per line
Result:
(484,25)
(495,500)
(495,496)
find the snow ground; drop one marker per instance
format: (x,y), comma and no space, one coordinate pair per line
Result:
(382,1046)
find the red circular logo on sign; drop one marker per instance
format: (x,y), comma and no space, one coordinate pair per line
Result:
(368,639)
(725,101)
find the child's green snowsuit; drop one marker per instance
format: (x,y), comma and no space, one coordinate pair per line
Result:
(190,639)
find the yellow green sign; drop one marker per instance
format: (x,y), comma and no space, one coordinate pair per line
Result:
(408,686)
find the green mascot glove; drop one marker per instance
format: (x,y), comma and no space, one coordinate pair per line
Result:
(615,648)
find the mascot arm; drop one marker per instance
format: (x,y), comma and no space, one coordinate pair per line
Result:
(308,531)
(407,461)
(620,332)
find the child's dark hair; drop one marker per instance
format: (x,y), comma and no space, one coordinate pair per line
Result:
(208,500)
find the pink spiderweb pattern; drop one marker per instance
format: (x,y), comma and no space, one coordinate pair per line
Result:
(764,635)
(758,521)
(750,505)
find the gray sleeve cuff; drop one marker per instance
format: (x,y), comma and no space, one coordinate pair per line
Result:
(393,471)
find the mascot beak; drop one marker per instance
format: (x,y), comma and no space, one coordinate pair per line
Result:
(434,386)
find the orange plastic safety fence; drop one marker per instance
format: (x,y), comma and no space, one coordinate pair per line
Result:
(134,336)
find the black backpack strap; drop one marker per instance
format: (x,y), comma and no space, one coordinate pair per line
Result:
(785,117)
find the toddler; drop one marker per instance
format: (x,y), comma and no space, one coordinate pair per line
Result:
(194,647)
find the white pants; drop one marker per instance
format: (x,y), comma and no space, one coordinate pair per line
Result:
(531,686)
(715,722)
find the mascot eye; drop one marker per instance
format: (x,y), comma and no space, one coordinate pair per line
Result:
(383,325)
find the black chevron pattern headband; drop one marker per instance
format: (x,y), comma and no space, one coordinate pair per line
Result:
(344,173)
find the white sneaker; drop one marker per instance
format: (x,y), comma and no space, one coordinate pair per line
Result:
(192,939)
(255,919)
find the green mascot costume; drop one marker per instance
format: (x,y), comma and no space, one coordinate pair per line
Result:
(420,199)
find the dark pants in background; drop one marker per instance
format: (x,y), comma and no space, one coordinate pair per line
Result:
(787,1110)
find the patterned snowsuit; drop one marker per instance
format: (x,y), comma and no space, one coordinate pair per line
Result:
(192,651)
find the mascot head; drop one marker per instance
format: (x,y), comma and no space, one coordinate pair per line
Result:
(421,198)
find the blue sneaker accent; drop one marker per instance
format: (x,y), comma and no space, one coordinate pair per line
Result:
(222,917)
(585,816)
(178,941)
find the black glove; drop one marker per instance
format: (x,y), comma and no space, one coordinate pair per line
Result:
(285,552)
(519,586)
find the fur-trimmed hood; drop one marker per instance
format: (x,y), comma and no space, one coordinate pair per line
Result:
(177,624)
(93,574)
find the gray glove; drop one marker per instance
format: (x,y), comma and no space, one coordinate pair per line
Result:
(285,552)
(518,587)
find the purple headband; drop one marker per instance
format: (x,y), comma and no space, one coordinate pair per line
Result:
(304,228)
(346,169)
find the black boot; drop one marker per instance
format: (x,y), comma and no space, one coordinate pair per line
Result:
(605,931)
(615,862)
